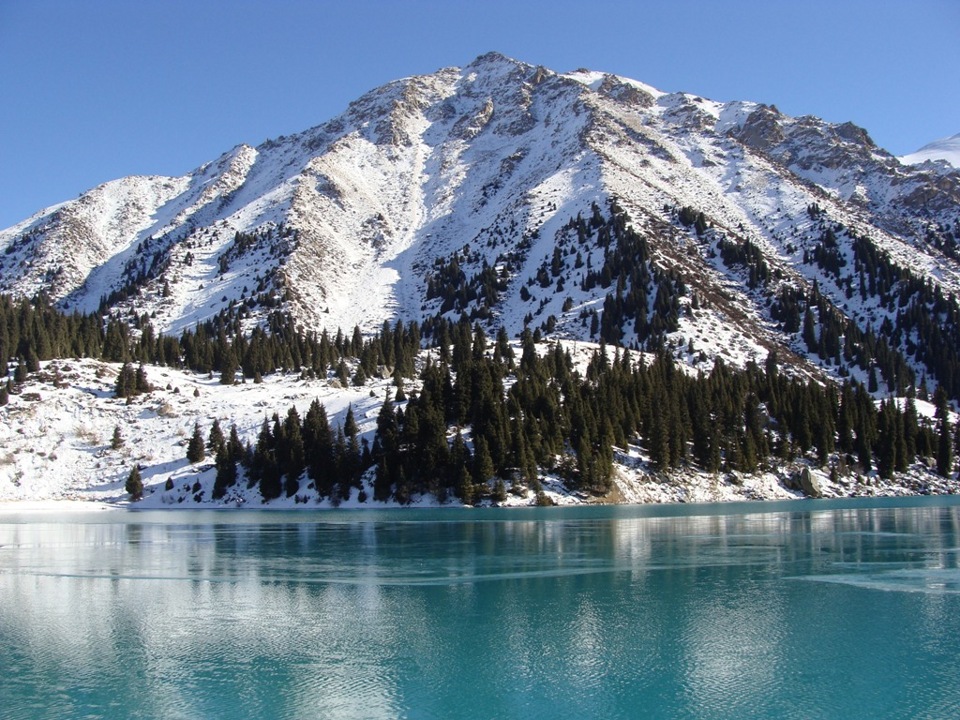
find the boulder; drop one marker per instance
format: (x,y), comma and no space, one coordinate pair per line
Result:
(809,484)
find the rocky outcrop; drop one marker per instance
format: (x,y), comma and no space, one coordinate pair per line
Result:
(808,483)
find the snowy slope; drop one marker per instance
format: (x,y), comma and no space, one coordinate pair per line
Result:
(56,435)
(946,149)
(343,224)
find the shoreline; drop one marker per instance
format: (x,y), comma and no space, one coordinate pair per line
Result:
(682,495)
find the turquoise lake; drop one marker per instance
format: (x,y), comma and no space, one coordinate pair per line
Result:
(806,609)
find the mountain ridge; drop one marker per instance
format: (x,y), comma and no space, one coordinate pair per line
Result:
(352,214)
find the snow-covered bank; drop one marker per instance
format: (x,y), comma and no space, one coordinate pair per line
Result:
(57,449)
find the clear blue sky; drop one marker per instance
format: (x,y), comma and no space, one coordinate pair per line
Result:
(93,90)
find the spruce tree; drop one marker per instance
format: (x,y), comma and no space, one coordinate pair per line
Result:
(226,472)
(140,382)
(294,460)
(318,448)
(956,441)
(134,484)
(499,491)
(343,374)
(350,456)
(215,439)
(483,468)
(228,367)
(945,441)
(345,466)
(381,479)
(116,442)
(33,360)
(886,442)
(195,449)
(126,385)
(270,480)
(460,479)
(235,449)
(360,376)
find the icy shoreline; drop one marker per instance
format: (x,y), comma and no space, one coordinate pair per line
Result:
(701,489)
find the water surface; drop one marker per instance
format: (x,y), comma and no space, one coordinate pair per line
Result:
(769,610)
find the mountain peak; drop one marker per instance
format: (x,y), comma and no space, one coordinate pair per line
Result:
(493,58)
(495,67)
(946,150)
(488,191)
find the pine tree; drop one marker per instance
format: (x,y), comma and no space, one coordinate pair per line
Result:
(215,439)
(226,472)
(483,468)
(294,460)
(134,484)
(195,449)
(140,382)
(945,441)
(126,385)
(318,449)
(116,442)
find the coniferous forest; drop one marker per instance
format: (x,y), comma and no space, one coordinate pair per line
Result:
(475,418)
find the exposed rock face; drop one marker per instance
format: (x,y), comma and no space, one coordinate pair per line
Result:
(843,159)
(762,130)
(809,484)
(626,93)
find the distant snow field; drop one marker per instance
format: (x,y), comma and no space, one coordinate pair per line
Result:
(946,149)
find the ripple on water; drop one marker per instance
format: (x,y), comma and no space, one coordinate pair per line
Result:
(935,581)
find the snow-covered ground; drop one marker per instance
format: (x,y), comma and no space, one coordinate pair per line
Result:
(56,436)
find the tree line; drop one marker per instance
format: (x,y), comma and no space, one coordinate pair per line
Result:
(483,423)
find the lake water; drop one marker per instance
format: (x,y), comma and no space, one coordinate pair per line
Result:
(791,610)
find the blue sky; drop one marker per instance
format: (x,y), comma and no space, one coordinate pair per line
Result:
(97,89)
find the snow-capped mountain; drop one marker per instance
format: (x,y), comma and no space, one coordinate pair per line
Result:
(495,168)
(945,149)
